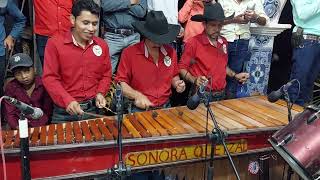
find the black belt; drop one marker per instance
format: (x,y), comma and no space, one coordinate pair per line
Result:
(216,93)
(126,32)
(87,104)
(240,37)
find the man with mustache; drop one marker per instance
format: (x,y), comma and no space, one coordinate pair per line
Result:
(77,69)
(149,69)
(205,58)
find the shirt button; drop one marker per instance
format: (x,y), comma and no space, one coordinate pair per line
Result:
(59,22)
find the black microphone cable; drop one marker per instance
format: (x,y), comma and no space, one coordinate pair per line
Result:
(4,166)
(207,130)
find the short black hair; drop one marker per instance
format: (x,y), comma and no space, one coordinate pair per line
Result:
(85,5)
(21,68)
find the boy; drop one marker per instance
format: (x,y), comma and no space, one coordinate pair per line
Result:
(28,88)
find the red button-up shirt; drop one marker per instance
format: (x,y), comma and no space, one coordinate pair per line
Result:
(201,58)
(39,98)
(138,70)
(52,16)
(73,73)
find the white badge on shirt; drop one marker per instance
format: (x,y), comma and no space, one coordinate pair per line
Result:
(167,61)
(97,50)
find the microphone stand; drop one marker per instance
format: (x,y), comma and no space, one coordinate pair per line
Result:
(120,169)
(24,147)
(289,103)
(289,107)
(217,136)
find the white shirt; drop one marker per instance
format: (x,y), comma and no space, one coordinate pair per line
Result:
(233,31)
(168,7)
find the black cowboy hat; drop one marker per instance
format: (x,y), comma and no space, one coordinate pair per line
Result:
(212,12)
(156,28)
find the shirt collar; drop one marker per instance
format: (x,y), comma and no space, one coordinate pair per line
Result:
(205,40)
(76,43)
(144,50)
(69,38)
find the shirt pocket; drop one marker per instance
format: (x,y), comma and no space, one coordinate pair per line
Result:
(96,67)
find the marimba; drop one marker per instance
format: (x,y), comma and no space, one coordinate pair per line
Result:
(151,139)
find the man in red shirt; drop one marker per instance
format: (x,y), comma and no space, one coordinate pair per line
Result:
(148,70)
(77,69)
(51,17)
(205,56)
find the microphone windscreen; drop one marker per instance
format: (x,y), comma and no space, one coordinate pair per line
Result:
(193,102)
(37,114)
(274,96)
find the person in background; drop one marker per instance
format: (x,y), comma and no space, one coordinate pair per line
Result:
(306,48)
(51,17)
(148,70)
(190,8)
(77,69)
(237,33)
(7,7)
(28,88)
(118,16)
(170,10)
(204,61)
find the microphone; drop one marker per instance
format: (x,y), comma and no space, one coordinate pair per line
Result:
(194,101)
(34,112)
(276,95)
